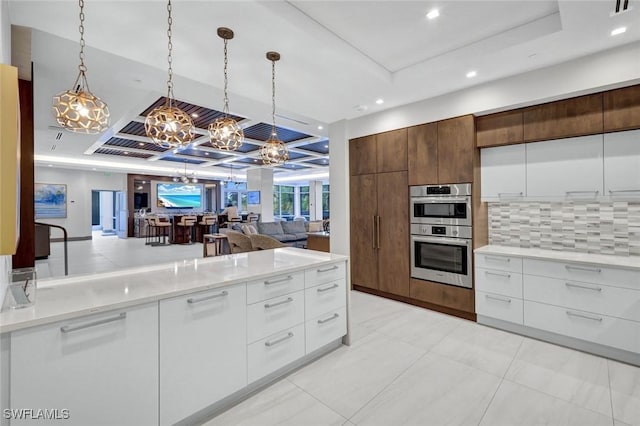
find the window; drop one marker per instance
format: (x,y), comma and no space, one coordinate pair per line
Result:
(235,193)
(283,200)
(304,202)
(325,201)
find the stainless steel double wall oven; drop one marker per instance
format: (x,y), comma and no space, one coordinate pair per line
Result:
(441,232)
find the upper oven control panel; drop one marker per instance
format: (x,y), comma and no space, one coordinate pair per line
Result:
(441,230)
(440,190)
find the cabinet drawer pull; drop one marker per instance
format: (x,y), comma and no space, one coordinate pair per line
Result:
(509,194)
(280,340)
(569,193)
(322,290)
(288,278)
(579,315)
(499,299)
(617,191)
(498,259)
(497,274)
(202,299)
(69,328)
(585,287)
(331,318)
(282,302)
(578,268)
(333,268)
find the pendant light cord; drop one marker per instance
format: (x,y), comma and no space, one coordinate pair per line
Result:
(225,109)
(273,99)
(81,81)
(169,57)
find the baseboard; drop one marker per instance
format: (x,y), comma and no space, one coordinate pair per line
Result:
(561,340)
(443,309)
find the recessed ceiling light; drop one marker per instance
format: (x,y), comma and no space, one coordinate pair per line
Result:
(141,144)
(433,14)
(126,153)
(255,160)
(194,115)
(206,153)
(618,31)
(471,74)
(93,168)
(380,101)
(326,146)
(320,127)
(50,165)
(175,151)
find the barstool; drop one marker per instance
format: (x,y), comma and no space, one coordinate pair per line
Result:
(188,222)
(208,222)
(161,225)
(150,231)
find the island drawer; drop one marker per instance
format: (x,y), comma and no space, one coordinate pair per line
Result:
(324,274)
(270,316)
(275,286)
(275,351)
(324,297)
(325,328)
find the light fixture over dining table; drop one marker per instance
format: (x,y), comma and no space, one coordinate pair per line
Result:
(274,151)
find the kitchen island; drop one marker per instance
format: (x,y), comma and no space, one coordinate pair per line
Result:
(171,343)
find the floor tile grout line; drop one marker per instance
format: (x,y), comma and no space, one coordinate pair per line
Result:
(613,414)
(502,379)
(315,398)
(388,384)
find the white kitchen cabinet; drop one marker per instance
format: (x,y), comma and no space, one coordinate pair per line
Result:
(203,350)
(103,368)
(622,164)
(276,351)
(325,297)
(602,329)
(324,274)
(505,308)
(566,169)
(275,286)
(503,173)
(325,328)
(272,315)
(499,282)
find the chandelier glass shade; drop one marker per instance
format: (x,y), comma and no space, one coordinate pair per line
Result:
(167,125)
(274,151)
(225,133)
(77,109)
(185,177)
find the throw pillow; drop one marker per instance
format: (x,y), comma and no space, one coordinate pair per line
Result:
(315,226)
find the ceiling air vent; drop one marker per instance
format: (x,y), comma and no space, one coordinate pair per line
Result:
(621,6)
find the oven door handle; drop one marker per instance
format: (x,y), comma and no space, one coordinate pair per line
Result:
(440,240)
(439,200)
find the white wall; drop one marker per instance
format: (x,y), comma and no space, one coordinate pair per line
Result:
(79,183)
(5,33)
(612,68)
(339,188)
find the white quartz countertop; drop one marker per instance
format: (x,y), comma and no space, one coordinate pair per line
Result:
(65,298)
(627,262)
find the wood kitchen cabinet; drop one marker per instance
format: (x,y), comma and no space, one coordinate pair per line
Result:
(503,128)
(562,119)
(442,152)
(380,232)
(622,109)
(456,144)
(384,152)
(423,154)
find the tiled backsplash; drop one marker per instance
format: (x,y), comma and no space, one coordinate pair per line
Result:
(589,227)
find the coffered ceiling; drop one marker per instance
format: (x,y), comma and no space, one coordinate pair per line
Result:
(338,58)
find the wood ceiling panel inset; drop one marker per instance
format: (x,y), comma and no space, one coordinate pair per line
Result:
(321,147)
(127,143)
(203,116)
(182,160)
(134,128)
(262,131)
(319,162)
(120,153)
(211,155)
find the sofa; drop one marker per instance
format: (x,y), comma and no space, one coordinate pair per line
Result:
(292,234)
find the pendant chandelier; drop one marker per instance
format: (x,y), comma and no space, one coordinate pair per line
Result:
(77,109)
(168,126)
(225,133)
(274,151)
(184,177)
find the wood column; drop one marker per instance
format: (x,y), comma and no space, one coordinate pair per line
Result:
(25,254)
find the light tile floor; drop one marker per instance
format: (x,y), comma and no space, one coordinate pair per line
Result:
(411,366)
